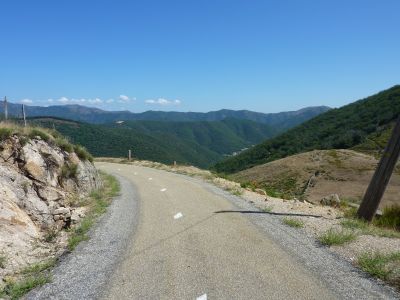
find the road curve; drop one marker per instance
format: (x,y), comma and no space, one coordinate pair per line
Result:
(174,237)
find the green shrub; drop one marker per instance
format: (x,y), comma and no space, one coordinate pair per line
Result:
(335,237)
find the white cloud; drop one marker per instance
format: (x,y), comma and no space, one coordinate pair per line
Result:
(26,101)
(63,100)
(162,101)
(124,98)
(50,100)
(110,101)
(95,101)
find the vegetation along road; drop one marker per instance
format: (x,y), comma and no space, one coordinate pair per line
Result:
(170,236)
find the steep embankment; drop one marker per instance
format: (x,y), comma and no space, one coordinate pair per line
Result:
(340,128)
(42,177)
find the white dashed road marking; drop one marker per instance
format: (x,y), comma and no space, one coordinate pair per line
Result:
(163,190)
(178,215)
(202,297)
(150,178)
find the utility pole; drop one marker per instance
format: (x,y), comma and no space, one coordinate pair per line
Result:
(5,108)
(23,114)
(129,154)
(380,180)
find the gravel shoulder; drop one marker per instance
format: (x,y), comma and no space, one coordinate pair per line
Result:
(85,272)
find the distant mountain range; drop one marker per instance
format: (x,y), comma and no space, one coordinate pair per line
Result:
(282,120)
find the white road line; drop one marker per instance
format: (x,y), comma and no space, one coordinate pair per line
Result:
(150,178)
(178,215)
(202,297)
(163,190)
(119,169)
(135,173)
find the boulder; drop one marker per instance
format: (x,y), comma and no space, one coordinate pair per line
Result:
(331,200)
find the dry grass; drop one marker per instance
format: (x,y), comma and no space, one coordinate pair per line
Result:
(8,129)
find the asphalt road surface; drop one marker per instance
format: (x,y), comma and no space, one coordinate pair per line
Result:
(174,237)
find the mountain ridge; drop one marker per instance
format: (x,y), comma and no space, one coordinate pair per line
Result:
(95,115)
(340,128)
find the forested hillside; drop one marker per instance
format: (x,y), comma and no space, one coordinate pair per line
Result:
(197,143)
(340,128)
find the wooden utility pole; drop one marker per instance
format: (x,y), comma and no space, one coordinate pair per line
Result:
(23,114)
(381,177)
(5,108)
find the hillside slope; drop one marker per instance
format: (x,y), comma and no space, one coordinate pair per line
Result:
(197,143)
(343,172)
(340,128)
(282,120)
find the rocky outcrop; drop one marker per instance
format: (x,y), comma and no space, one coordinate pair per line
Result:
(40,178)
(39,183)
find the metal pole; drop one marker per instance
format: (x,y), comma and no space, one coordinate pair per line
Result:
(129,154)
(5,108)
(23,114)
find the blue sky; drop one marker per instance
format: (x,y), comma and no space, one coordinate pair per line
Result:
(266,56)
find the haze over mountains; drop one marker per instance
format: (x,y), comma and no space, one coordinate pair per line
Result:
(97,116)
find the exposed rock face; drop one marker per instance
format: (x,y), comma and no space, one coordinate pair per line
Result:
(33,176)
(37,181)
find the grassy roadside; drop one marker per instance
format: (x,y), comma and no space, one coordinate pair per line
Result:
(38,274)
(97,203)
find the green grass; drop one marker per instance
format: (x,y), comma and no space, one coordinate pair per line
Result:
(383,266)
(34,132)
(64,144)
(31,277)
(97,202)
(83,153)
(390,218)
(293,222)
(39,267)
(5,133)
(15,290)
(361,227)
(336,237)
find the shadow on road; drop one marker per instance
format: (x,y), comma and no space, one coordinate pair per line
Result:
(264,212)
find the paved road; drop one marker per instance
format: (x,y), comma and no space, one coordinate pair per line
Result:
(222,255)
(163,239)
